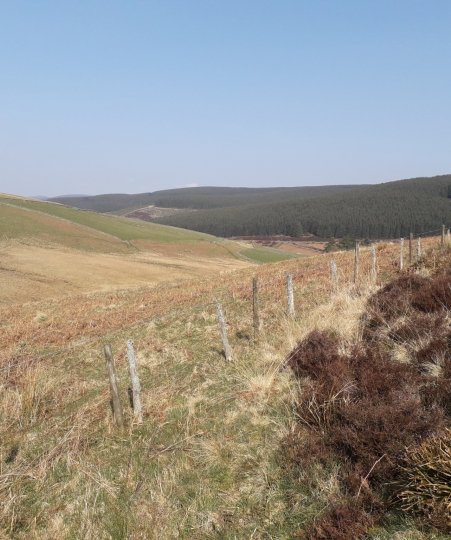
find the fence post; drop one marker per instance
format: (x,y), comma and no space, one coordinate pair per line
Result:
(111,368)
(290,295)
(419,248)
(410,248)
(255,308)
(223,331)
(443,235)
(373,263)
(401,254)
(356,261)
(334,275)
(136,385)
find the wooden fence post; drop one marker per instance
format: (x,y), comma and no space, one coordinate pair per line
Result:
(356,261)
(410,248)
(223,331)
(255,308)
(373,263)
(111,368)
(401,254)
(136,385)
(443,235)
(334,275)
(419,248)
(290,295)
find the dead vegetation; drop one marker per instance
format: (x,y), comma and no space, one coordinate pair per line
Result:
(383,416)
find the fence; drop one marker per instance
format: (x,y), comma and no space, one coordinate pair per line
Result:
(253,292)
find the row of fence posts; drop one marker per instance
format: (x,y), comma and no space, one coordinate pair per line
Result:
(135,389)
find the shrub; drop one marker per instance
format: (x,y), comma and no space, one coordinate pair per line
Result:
(395,298)
(344,522)
(434,295)
(364,408)
(427,480)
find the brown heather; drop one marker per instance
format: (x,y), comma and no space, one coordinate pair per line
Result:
(381,416)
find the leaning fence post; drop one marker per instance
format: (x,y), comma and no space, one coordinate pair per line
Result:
(117,407)
(334,275)
(401,253)
(136,386)
(356,261)
(410,248)
(255,307)
(223,331)
(373,262)
(290,295)
(419,248)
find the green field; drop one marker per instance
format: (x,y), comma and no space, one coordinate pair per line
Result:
(266,255)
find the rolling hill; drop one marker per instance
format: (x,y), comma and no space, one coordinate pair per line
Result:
(386,210)
(196,198)
(48,249)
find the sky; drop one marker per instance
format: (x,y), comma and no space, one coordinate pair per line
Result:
(140,95)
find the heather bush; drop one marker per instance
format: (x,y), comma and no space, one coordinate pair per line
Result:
(363,409)
(344,522)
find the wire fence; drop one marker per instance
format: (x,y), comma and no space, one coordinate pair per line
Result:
(270,291)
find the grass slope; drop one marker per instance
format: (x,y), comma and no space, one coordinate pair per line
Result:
(206,463)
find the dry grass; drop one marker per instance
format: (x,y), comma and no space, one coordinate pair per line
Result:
(206,463)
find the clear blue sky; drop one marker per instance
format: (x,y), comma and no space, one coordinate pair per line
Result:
(131,96)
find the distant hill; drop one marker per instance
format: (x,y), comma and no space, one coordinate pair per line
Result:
(198,198)
(386,210)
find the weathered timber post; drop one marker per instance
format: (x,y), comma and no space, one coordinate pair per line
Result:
(447,237)
(418,248)
(410,248)
(223,332)
(373,263)
(111,368)
(356,261)
(401,254)
(136,385)
(255,308)
(290,295)
(334,275)
(443,235)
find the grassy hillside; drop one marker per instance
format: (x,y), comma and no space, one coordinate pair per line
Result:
(382,211)
(121,228)
(198,198)
(210,459)
(49,249)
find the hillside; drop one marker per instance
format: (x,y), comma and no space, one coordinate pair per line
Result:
(387,210)
(196,198)
(218,454)
(48,249)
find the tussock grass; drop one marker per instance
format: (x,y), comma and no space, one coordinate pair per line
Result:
(207,461)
